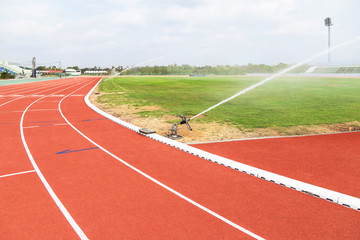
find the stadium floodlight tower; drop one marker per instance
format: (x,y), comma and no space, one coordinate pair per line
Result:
(328,24)
(34,67)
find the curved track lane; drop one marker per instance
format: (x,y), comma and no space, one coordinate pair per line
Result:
(330,161)
(109,200)
(27,211)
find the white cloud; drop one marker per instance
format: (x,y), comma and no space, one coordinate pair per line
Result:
(129,17)
(30,28)
(299,27)
(192,31)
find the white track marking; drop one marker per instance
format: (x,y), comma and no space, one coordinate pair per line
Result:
(270,137)
(11,96)
(160,183)
(24,84)
(33,87)
(23,90)
(21,87)
(57,85)
(19,173)
(35,110)
(323,193)
(47,125)
(62,208)
(32,96)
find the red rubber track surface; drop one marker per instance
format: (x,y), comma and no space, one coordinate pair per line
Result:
(330,161)
(108,200)
(27,210)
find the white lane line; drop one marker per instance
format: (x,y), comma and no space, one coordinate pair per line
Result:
(33,86)
(20,90)
(35,110)
(313,190)
(47,89)
(7,96)
(24,86)
(18,173)
(161,184)
(270,137)
(59,204)
(47,125)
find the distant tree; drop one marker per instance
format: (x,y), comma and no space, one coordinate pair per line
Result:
(75,67)
(187,69)
(119,68)
(41,68)
(6,75)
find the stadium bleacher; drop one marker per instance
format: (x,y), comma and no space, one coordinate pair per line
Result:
(13,68)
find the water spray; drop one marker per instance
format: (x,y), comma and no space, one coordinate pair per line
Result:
(261,83)
(143,130)
(135,65)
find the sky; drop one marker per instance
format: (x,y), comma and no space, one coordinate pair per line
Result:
(109,33)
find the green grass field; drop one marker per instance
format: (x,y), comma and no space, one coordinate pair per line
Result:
(282,102)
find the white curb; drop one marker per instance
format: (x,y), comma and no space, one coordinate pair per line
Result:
(323,193)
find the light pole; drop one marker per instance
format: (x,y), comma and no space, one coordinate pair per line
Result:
(34,67)
(328,24)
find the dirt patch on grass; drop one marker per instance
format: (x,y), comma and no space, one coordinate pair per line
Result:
(205,132)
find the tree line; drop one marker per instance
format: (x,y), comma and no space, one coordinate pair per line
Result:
(186,69)
(73,67)
(6,75)
(209,70)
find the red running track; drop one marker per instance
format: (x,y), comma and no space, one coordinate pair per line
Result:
(109,200)
(330,161)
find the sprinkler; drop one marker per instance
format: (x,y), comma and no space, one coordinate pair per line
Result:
(173,131)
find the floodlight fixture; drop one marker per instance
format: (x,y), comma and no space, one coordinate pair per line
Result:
(34,67)
(328,24)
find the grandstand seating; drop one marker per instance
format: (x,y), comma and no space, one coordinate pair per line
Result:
(334,69)
(13,69)
(348,70)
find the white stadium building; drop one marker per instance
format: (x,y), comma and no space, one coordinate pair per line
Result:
(72,72)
